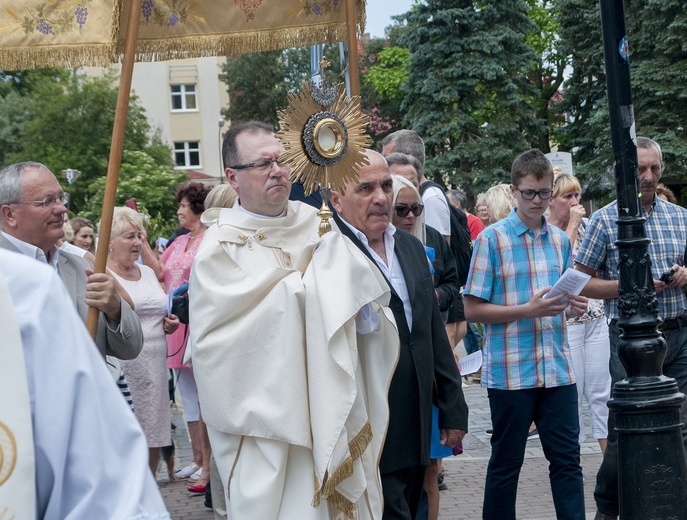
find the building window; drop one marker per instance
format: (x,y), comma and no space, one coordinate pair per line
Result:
(184,97)
(187,154)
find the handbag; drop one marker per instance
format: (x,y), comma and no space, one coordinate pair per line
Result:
(180,303)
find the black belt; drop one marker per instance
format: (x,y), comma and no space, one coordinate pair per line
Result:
(674,324)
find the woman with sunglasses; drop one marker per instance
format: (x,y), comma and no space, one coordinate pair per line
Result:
(406,214)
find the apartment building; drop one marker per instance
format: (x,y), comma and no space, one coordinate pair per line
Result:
(183,98)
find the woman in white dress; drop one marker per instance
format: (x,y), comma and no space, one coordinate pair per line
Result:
(147,374)
(588,334)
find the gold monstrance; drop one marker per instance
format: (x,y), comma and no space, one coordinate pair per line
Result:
(323,133)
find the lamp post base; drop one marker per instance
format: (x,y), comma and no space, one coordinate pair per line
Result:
(652,469)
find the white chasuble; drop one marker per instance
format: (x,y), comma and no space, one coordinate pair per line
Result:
(17,463)
(276,354)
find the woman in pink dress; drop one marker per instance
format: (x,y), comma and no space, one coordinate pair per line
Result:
(174,268)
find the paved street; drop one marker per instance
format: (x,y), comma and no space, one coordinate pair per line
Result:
(464,474)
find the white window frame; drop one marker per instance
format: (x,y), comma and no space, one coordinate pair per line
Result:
(187,150)
(183,94)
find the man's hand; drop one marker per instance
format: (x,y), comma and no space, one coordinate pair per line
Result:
(101,293)
(679,276)
(578,305)
(538,306)
(451,438)
(679,279)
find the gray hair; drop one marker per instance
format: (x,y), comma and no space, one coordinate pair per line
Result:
(459,197)
(408,141)
(405,158)
(647,144)
(10,181)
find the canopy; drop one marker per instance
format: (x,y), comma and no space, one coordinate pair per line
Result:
(74,33)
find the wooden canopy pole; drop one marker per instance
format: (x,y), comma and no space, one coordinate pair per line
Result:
(352,33)
(115,161)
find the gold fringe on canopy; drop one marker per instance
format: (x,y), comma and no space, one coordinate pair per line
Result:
(37,34)
(73,33)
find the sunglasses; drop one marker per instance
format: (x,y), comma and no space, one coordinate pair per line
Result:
(402,210)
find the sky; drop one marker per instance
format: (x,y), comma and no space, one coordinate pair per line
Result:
(379,13)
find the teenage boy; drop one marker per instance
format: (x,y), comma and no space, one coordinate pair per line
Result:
(527,368)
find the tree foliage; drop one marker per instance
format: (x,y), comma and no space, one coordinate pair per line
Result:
(259,83)
(151,183)
(384,71)
(658,68)
(468,93)
(65,121)
(548,71)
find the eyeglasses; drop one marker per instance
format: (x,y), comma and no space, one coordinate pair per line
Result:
(402,210)
(530,194)
(50,200)
(261,165)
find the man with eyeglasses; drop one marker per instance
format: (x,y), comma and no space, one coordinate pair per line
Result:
(666,226)
(426,369)
(292,350)
(527,366)
(32,210)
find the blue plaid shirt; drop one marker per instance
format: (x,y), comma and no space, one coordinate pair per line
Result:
(509,265)
(666,226)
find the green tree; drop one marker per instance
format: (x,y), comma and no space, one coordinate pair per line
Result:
(468,93)
(24,81)
(384,71)
(258,83)
(151,183)
(658,69)
(584,103)
(548,72)
(659,74)
(389,75)
(68,124)
(13,117)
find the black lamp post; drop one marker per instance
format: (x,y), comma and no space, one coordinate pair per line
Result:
(652,473)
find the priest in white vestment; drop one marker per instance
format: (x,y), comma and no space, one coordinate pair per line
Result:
(70,448)
(293,349)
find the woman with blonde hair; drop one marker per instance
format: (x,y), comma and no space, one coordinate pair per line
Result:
(174,269)
(499,201)
(147,373)
(588,334)
(481,209)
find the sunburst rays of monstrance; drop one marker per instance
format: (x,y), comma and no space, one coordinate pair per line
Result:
(323,133)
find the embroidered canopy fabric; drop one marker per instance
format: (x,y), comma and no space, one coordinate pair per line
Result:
(73,33)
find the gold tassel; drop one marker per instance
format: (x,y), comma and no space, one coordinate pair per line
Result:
(356,447)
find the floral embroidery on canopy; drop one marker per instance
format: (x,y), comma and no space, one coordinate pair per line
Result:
(169,12)
(248,7)
(75,33)
(50,17)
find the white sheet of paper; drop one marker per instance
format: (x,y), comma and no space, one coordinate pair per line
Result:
(169,302)
(571,282)
(470,363)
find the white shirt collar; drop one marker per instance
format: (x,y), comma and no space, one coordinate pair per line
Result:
(388,233)
(33,251)
(244,210)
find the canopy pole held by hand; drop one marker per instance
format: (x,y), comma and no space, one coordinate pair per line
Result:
(117,145)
